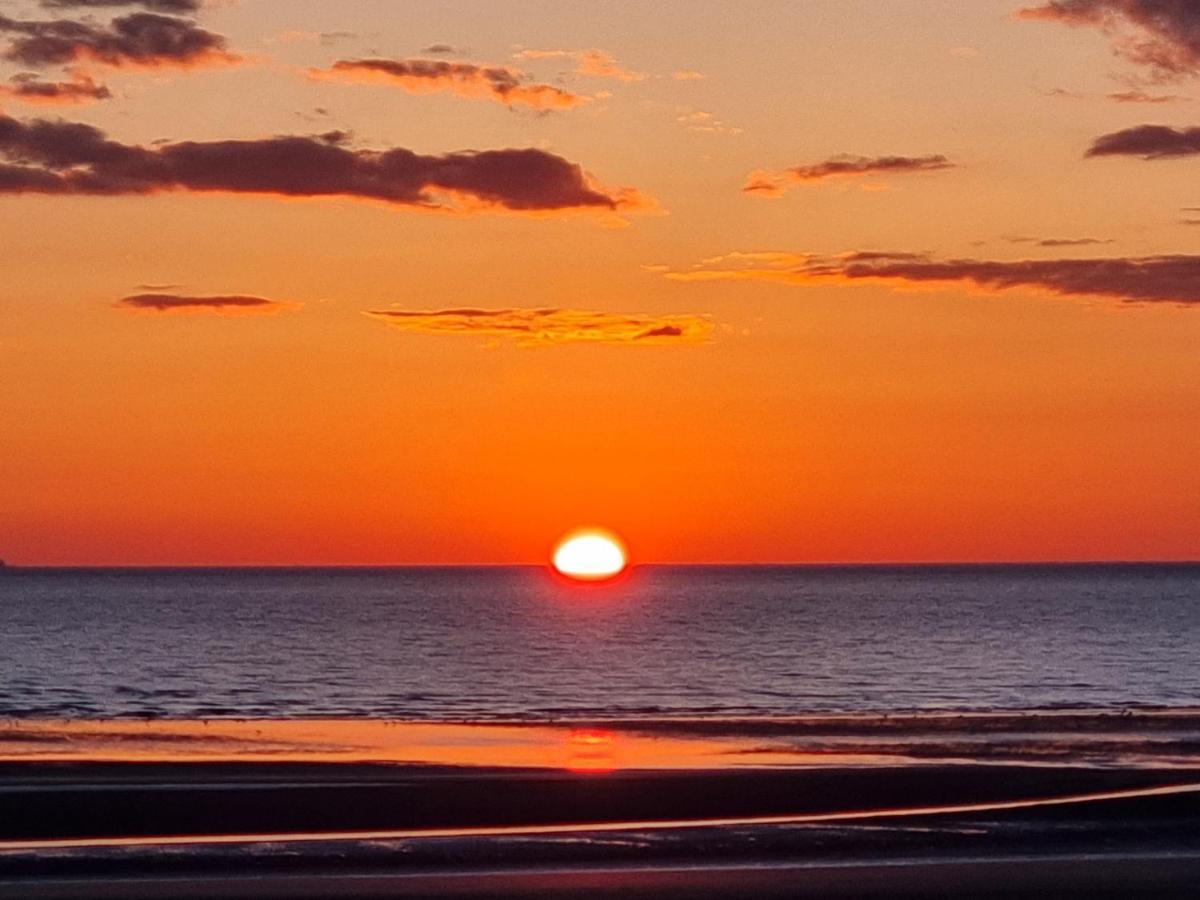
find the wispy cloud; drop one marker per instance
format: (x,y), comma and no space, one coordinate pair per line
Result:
(1057,242)
(702,121)
(329,38)
(544,327)
(687,75)
(1065,93)
(226,304)
(56,157)
(1147,279)
(1161,35)
(592,63)
(325,38)
(1133,96)
(773,183)
(464,79)
(599,64)
(1130,96)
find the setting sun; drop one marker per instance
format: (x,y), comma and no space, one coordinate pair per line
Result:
(590,555)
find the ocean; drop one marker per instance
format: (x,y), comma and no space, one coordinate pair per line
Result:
(487,644)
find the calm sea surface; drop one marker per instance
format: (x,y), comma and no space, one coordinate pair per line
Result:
(492,643)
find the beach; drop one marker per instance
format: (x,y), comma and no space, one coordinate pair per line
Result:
(420,809)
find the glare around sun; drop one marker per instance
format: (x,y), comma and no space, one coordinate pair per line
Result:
(590,555)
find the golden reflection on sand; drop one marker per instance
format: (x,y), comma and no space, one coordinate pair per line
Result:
(1163,738)
(360,741)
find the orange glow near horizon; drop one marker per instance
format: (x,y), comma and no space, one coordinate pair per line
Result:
(590,555)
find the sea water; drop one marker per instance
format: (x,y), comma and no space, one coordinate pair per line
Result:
(519,643)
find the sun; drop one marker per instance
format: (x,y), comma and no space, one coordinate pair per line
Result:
(590,554)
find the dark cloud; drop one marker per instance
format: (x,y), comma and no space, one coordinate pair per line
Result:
(229,303)
(139,39)
(420,76)
(1148,142)
(162,6)
(1163,35)
(542,327)
(768,182)
(27,88)
(438,48)
(1147,279)
(56,157)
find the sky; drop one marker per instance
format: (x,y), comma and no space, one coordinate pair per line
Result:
(437,282)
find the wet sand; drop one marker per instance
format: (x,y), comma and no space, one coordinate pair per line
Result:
(133,800)
(1117,843)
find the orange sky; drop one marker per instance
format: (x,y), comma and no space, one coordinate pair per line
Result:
(208,347)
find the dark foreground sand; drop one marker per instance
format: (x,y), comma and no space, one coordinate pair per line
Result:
(1088,807)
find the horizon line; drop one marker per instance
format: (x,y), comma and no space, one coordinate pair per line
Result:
(11,566)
